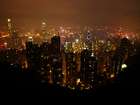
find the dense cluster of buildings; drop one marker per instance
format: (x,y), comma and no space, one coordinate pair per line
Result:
(82,62)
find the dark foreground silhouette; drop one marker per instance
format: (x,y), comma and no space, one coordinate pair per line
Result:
(18,83)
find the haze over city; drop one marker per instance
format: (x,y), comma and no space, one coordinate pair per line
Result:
(69,47)
(30,13)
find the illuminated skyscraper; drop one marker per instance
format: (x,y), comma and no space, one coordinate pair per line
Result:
(71,68)
(108,56)
(45,34)
(88,38)
(56,60)
(88,67)
(45,66)
(10,26)
(14,39)
(68,47)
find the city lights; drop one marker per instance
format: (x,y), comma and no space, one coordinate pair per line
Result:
(76,40)
(112,76)
(78,81)
(92,54)
(70,47)
(124,66)
(67,59)
(9,20)
(30,38)
(43,23)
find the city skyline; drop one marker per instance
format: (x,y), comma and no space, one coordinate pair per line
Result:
(29,14)
(78,46)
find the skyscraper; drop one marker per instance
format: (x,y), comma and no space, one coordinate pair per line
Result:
(45,64)
(56,60)
(88,67)
(121,55)
(32,55)
(55,45)
(45,34)
(71,68)
(10,26)
(14,39)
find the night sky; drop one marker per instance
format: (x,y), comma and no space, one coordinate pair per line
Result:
(29,13)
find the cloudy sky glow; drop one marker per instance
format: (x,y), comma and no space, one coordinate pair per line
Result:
(71,12)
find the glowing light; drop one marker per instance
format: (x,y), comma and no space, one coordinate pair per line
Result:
(37,34)
(92,54)
(4,36)
(29,33)
(9,20)
(84,46)
(43,23)
(78,81)
(112,76)
(72,88)
(26,64)
(54,34)
(101,41)
(71,33)
(5,43)
(63,73)
(127,37)
(30,38)
(62,30)
(87,88)
(77,40)
(124,66)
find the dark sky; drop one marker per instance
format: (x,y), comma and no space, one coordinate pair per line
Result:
(70,12)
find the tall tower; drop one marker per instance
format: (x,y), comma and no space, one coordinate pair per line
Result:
(14,40)
(56,44)
(10,26)
(88,67)
(12,34)
(56,60)
(44,31)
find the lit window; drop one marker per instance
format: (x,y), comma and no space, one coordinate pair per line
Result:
(77,40)
(112,76)
(9,20)
(124,66)
(78,81)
